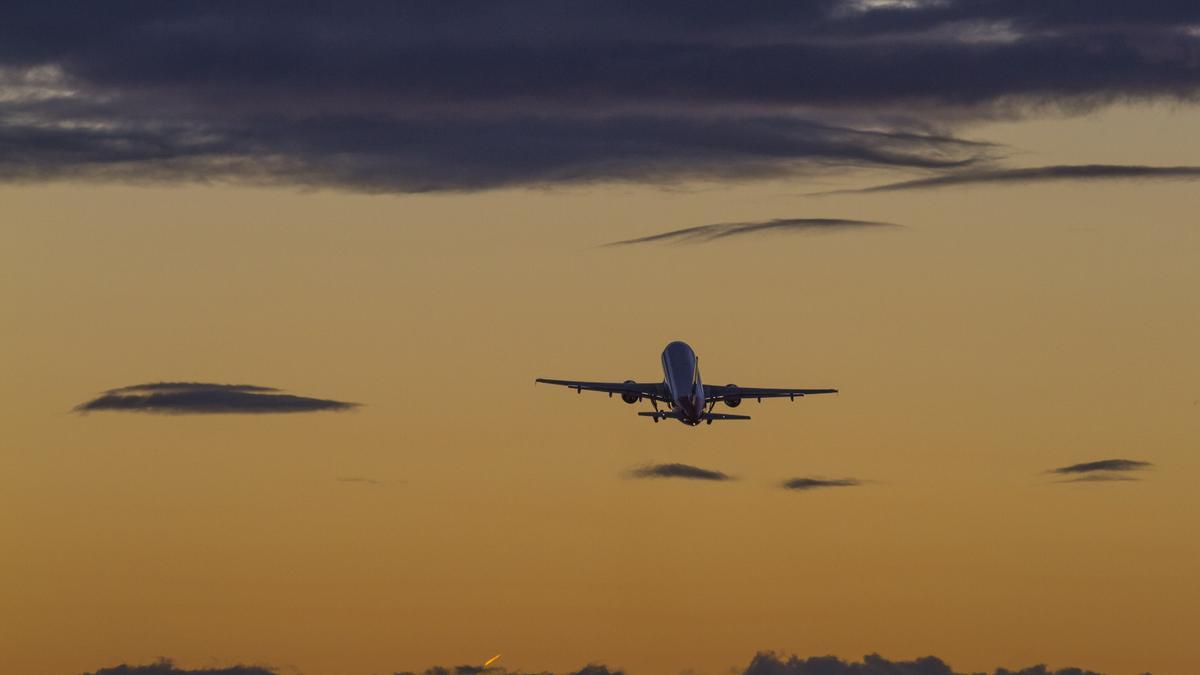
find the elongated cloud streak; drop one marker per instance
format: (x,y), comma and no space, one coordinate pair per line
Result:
(1103,465)
(205,398)
(814,483)
(1037,174)
(718,231)
(685,471)
(1101,471)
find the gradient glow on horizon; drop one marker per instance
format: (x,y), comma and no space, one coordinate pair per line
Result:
(1004,331)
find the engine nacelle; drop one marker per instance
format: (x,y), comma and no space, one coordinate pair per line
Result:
(629,396)
(732,401)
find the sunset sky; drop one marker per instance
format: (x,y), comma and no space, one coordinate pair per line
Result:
(406,207)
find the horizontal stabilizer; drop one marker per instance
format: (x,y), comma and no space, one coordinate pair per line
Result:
(665,415)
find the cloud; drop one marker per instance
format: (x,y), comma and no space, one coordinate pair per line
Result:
(717,231)
(813,483)
(205,398)
(383,153)
(766,663)
(1103,465)
(685,471)
(1037,174)
(403,97)
(167,667)
(1101,471)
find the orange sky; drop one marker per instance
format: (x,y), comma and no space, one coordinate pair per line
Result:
(1002,332)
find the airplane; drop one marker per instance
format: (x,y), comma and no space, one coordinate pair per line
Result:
(681,389)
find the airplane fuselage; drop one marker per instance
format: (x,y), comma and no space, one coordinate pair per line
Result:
(681,375)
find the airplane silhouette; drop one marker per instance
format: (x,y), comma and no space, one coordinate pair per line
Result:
(687,399)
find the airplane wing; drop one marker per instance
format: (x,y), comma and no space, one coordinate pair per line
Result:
(654,390)
(712,393)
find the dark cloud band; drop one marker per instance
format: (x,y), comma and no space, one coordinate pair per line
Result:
(203,398)
(1102,465)
(814,483)
(685,471)
(408,97)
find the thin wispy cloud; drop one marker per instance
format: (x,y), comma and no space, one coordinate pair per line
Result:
(816,483)
(684,471)
(719,231)
(180,398)
(1100,471)
(1036,174)
(409,97)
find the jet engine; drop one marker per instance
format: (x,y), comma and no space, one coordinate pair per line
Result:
(732,401)
(629,396)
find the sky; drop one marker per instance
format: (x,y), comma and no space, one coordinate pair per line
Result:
(347,242)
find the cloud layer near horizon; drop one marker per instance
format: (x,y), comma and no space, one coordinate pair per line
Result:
(764,663)
(402,97)
(206,398)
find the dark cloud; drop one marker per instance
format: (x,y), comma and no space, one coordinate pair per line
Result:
(166,667)
(1101,471)
(380,153)
(717,231)
(471,94)
(1102,465)
(678,471)
(766,663)
(1036,174)
(813,483)
(204,398)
